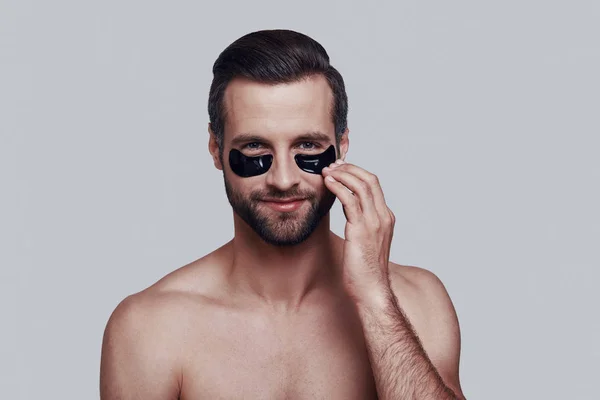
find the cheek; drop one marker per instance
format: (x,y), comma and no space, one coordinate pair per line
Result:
(316,184)
(242,187)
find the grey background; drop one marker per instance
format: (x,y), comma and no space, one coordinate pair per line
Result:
(480,118)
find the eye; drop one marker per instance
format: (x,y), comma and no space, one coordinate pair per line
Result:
(252,146)
(311,146)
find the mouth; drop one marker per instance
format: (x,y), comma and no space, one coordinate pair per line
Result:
(285,205)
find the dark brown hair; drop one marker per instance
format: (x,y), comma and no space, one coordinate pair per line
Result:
(274,56)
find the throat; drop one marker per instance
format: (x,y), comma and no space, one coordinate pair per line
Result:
(284,277)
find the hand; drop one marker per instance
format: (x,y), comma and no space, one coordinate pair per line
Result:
(369,229)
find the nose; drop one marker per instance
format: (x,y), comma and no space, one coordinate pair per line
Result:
(284,174)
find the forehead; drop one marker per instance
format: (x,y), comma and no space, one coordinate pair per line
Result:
(280,111)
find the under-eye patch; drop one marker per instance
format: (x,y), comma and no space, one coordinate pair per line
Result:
(247,166)
(314,163)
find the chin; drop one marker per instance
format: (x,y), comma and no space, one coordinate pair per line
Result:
(285,230)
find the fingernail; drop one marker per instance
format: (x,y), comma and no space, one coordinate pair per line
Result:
(339,161)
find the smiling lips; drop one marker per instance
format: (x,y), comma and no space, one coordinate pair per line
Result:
(285,205)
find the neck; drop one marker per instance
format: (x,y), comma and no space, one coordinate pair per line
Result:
(284,277)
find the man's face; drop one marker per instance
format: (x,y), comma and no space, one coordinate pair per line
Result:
(282,120)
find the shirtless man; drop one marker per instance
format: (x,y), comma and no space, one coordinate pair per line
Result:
(287,309)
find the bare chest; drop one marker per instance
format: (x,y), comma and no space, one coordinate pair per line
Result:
(321,357)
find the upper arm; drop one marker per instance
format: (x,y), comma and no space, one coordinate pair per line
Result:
(136,360)
(441,333)
(434,319)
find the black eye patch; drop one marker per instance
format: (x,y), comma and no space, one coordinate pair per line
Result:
(314,163)
(246,166)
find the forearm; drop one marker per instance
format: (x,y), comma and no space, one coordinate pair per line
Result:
(400,365)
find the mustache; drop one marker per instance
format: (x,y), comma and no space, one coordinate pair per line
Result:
(259,195)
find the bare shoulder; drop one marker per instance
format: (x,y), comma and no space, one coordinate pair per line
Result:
(152,307)
(418,286)
(143,346)
(182,291)
(139,358)
(425,301)
(424,298)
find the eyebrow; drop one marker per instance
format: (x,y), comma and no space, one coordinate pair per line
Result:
(250,137)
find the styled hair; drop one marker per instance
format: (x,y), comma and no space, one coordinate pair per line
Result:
(274,57)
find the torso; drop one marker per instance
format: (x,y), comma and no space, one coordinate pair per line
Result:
(228,350)
(245,354)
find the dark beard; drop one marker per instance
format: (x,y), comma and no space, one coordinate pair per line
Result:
(284,229)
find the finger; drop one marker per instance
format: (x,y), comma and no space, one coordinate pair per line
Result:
(348,200)
(360,188)
(372,180)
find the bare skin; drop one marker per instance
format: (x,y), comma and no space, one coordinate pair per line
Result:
(252,320)
(201,340)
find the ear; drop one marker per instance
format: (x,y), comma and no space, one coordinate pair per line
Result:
(344,144)
(213,148)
